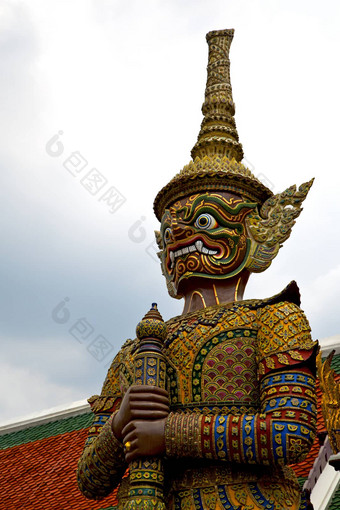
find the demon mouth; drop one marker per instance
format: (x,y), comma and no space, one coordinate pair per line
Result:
(197,246)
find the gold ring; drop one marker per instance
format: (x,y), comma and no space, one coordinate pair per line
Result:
(127,446)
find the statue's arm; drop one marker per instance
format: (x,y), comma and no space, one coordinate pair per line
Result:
(282,433)
(284,429)
(102,463)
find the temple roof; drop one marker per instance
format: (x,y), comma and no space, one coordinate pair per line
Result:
(38,465)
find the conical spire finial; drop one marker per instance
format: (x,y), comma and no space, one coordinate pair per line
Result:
(218,134)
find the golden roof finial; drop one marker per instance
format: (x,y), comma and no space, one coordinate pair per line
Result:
(218,134)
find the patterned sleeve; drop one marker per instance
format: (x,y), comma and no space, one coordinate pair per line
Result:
(102,463)
(283,431)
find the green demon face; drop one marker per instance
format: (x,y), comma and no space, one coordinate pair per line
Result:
(204,235)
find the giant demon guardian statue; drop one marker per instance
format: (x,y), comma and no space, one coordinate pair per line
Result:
(209,410)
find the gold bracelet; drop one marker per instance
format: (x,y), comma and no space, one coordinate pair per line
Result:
(182,435)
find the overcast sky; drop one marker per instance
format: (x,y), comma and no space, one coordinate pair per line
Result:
(113,89)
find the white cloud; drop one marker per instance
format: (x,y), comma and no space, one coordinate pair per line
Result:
(23,391)
(322,300)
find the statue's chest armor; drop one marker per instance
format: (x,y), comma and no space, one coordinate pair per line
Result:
(212,366)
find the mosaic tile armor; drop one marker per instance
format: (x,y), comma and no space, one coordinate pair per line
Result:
(241,383)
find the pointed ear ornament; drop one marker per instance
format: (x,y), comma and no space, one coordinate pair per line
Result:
(170,286)
(272,225)
(159,239)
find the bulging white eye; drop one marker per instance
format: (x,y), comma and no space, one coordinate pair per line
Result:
(167,235)
(205,222)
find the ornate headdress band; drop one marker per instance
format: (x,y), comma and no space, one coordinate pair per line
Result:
(217,153)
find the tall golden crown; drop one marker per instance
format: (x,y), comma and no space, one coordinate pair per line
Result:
(216,166)
(217,154)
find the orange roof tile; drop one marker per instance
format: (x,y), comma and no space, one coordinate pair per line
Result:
(41,475)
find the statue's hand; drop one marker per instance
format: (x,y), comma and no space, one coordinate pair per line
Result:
(141,403)
(146,438)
